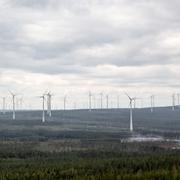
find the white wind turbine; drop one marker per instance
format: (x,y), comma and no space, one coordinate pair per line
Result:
(90,101)
(142,103)
(118,100)
(131,114)
(49,102)
(152,97)
(178,97)
(94,101)
(101,100)
(17,104)
(43,107)
(21,103)
(13,105)
(140,100)
(107,101)
(65,100)
(173,101)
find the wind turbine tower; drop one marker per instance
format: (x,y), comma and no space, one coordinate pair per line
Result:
(94,99)
(118,101)
(43,109)
(65,99)
(21,103)
(90,101)
(101,99)
(13,101)
(134,99)
(178,96)
(173,102)
(49,100)
(131,114)
(152,103)
(107,101)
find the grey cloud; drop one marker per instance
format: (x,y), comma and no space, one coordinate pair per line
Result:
(87,32)
(30,4)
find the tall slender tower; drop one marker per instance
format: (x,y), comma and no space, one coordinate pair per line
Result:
(90,101)
(13,105)
(152,103)
(107,101)
(173,102)
(65,99)
(118,101)
(49,99)
(131,111)
(178,97)
(134,103)
(131,119)
(43,108)
(101,100)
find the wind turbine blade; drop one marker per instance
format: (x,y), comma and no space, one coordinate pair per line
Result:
(46,92)
(40,96)
(129,104)
(127,95)
(11,93)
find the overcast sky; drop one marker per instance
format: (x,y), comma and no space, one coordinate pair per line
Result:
(71,47)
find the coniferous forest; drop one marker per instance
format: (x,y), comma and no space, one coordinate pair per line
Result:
(71,148)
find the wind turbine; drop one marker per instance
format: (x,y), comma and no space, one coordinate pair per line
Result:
(90,100)
(101,99)
(13,101)
(49,100)
(178,96)
(131,114)
(173,102)
(107,101)
(94,100)
(118,101)
(43,105)
(21,103)
(152,103)
(65,99)
(134,99)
